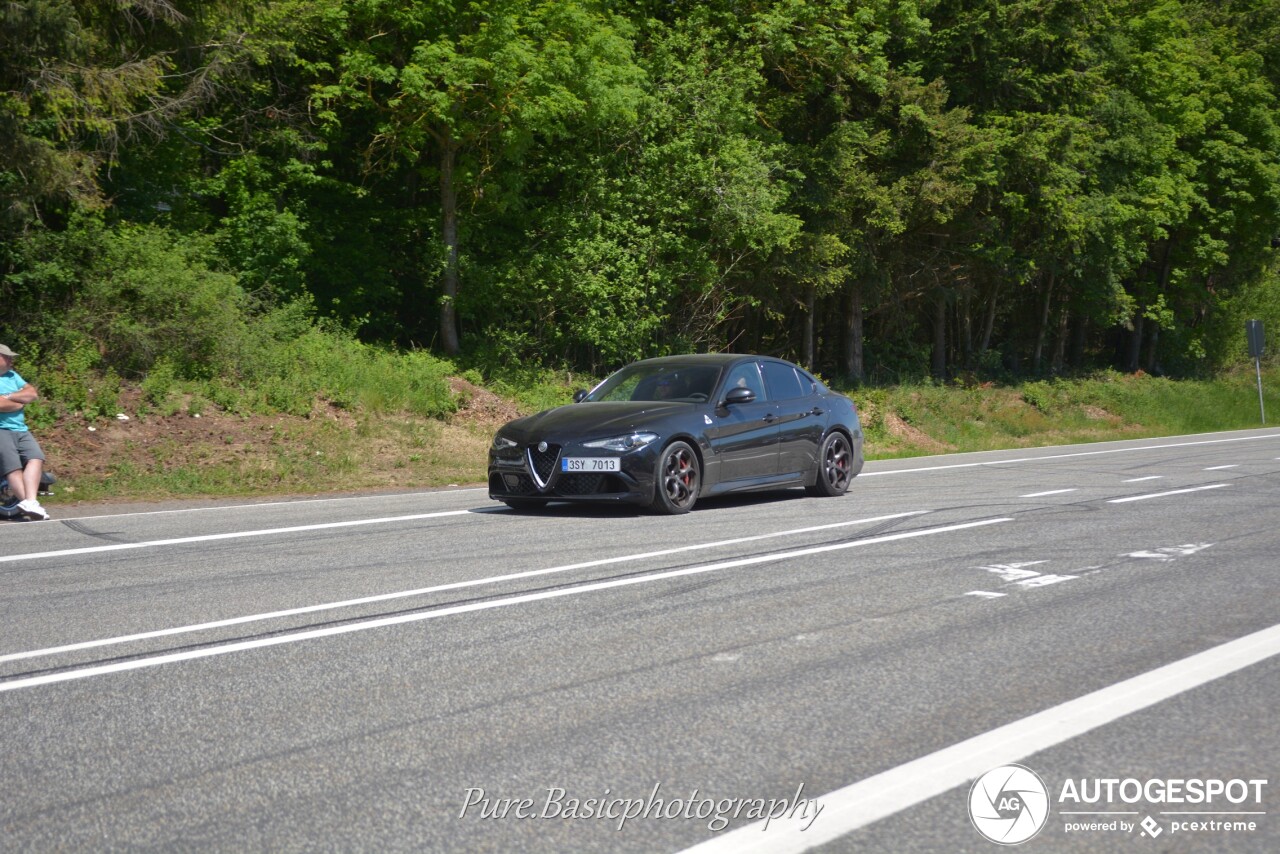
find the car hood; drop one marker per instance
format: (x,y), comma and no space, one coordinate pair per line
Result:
(591,420)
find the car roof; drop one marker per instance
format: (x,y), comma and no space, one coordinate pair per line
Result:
(716,359)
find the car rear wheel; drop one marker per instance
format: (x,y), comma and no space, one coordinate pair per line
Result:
(835,462)
(678,479)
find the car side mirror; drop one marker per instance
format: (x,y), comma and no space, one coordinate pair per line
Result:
(738,396)
(580,395)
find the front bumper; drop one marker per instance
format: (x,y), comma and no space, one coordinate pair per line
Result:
(525,472)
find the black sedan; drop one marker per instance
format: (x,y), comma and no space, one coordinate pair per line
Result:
(664,432)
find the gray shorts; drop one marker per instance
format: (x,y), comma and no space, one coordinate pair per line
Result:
(16,448)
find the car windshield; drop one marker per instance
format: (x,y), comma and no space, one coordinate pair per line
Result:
(681,383)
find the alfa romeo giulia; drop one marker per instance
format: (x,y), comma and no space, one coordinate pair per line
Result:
(665,432)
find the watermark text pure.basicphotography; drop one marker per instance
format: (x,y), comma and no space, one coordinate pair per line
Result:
(555,803)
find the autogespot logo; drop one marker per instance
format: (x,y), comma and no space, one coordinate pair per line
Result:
(1009,804)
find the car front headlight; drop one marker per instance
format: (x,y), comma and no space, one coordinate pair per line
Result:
(632,442)
(502,443)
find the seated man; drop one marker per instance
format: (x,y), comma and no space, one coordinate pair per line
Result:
(21,459)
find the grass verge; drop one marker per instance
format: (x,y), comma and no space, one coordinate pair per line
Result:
(908,421)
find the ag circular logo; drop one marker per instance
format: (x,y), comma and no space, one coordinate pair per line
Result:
(1009,804)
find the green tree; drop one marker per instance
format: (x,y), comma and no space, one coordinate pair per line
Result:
(78,79)
(642,237)
(1213,195)
(888,166)
(459,91)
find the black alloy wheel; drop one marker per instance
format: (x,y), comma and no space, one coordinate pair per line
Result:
(834,464)
(678,479)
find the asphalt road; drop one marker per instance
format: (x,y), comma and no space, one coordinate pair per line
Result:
(433,672)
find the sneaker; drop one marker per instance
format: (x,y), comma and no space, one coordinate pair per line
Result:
(33,509)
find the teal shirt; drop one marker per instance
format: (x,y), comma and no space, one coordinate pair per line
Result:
(11,382)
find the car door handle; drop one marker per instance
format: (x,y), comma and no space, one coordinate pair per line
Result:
(817,410)
(769,419)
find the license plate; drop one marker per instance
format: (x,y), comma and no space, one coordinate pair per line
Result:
(588,464)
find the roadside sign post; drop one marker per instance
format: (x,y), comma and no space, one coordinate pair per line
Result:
(1253,331)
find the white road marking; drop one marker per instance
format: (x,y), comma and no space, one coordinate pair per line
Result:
(1045,580)
(1067,456)
(1220,468)
(1171,552)
(254,506)
(860,804)
(471,607)
(985,594)
(205,538)
(1013,571)
(1050,492)
(1140,479)
(1164,494)
(422,591)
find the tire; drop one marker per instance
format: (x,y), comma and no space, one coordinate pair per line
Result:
(835,461)
(676,480)
(525,504)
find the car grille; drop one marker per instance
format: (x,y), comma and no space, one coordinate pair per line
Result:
(580,484)
(589,484)
(544,462)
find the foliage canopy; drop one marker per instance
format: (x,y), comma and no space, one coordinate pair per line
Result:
(884,189)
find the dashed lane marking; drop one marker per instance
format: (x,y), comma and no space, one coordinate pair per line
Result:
(470,607)
(1166,494)
(439,588)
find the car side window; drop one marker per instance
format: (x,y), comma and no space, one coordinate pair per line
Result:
(812,383)
(746,376)
(783,382)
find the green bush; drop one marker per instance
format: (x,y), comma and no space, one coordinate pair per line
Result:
(538,389)
(74,382)
(289,366)
(160,383)
(1039,394)
(154,295)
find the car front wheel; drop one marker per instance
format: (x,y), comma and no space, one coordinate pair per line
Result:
(835,462)
(678,479)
